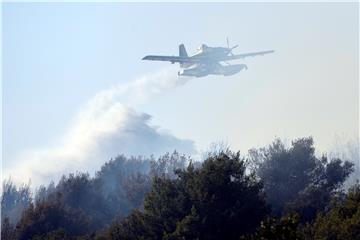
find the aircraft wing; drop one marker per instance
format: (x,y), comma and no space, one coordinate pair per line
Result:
(171,59)
(244,55)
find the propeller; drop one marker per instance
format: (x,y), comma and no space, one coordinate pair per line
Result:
(230,48)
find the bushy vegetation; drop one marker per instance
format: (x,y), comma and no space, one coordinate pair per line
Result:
(342,221)
(276,192)
(295,180)
(205,203)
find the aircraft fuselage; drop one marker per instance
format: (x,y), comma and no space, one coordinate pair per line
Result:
(208,55)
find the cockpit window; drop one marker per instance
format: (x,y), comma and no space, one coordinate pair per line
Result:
(202,47)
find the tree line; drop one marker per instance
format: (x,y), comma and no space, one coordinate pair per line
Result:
(275,192)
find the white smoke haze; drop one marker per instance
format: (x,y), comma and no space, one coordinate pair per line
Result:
(142,89)
(105,127)
(347,148)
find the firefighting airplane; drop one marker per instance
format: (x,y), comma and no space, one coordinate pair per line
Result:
(207,60)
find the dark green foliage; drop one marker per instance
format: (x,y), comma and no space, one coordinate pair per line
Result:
(59,234)
(309,202)
(50,216)
(342,221)
(216,201)
(285,228)
(349,150)
(119,187)
(131,228)
(327,180)
(295,180)
(83,193)
(280,168)
(336,172)
(7,230)
(221,198)
(116,189)
(187,227)
(136,186)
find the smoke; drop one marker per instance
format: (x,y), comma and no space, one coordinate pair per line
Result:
(348,149)
(144,88)
(104,127)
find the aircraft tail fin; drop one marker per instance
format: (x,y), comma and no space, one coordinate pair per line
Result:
(182,51)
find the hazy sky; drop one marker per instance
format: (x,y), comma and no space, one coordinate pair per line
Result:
(58,56)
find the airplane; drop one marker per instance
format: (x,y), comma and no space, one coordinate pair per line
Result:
(207,60)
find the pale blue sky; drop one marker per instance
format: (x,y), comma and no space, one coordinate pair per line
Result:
(57,56)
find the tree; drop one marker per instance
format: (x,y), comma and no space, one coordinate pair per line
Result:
(295,179)
(14,200)
(133,227)
(48,216)
(59,234)
(82,193)
(327,180)
(136,186)
(7,229)
(280,168)
(119,187)
(216,201)
(124,182)
(277,229)
(166,165)
(342,221)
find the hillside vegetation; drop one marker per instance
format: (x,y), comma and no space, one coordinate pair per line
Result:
(275,192)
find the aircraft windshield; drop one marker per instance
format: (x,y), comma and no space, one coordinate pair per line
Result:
(202,48)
